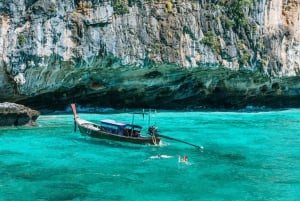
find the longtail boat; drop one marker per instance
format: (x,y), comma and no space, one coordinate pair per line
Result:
(114,130)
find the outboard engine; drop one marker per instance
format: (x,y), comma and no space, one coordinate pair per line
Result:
(152,130)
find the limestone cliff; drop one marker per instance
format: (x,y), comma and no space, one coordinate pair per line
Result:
(142,53)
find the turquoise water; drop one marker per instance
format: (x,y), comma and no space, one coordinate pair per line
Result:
(246,156)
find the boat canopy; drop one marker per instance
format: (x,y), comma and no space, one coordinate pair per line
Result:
(118,124)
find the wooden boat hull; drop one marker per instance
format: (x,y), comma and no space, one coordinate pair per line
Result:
(93,130)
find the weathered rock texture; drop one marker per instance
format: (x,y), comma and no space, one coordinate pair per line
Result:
(128,53)
(12,114)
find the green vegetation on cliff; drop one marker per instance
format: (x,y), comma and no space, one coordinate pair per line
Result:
(235,10)
(21,39)
(120,7)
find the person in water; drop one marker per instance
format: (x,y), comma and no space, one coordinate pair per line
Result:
(184,159)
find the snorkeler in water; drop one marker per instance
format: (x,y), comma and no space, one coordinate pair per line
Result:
(184,159)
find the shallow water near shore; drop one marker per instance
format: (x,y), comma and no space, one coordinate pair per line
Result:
(246,156)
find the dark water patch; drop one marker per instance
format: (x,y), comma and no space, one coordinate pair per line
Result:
(34,171)
(13,168)
(65,185)
(233,156)
(220,154)
(61,191)
(227,175)
(9,153)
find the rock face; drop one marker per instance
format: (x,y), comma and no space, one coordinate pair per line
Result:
(12,114)
(128,53)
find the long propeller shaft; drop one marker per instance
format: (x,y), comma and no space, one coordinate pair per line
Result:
(178,140)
